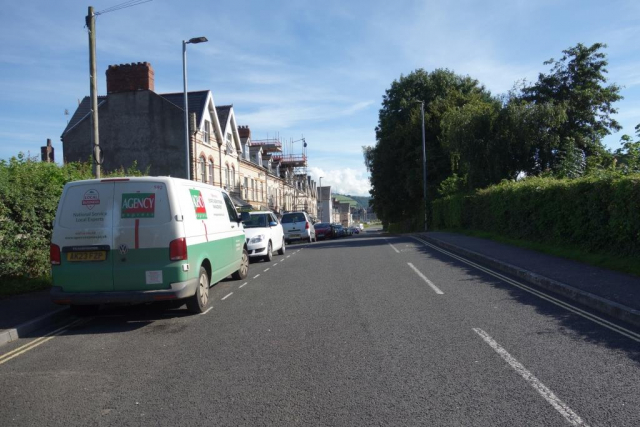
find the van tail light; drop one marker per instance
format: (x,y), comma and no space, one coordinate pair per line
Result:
(54,254)
(178,249)
(306,225)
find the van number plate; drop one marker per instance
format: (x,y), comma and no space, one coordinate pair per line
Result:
(87,256)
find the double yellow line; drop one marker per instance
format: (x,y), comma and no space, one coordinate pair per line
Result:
(39,341)
(594,318)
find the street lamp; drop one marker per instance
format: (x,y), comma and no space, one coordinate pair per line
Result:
(320,194)
(424,166)
(194,40)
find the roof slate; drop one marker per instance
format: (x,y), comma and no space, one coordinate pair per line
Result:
(82,112)
(197,104)
(197,101)
(223,112)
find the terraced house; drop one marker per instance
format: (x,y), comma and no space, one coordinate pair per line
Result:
(136,124)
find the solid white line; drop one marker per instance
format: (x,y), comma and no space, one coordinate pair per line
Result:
(227,296)
(256,276)
(394,248)
(244,284)
(600,321)
(208,310)
(266,269)
(543,390)
(434,287)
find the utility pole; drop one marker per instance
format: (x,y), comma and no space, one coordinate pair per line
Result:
(91,25)
(424,167)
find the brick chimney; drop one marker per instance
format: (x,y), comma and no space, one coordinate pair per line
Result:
(244,132)
(130,77)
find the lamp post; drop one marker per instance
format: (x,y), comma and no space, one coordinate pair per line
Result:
(320,194)
(194,40)
(424,166)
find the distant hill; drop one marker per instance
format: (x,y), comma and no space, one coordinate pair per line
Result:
(357,201)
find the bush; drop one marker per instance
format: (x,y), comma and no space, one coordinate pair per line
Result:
(29,195)
(595,213)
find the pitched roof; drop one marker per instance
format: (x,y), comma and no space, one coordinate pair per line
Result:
(82,112)
(197,104)
(223,112)
(197,101)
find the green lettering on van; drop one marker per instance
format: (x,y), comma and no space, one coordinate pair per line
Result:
(198,204)
(138,205)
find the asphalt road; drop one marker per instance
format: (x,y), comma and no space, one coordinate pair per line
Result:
(368,330)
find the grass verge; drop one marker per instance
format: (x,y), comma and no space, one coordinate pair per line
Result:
(629,265)
(22,285)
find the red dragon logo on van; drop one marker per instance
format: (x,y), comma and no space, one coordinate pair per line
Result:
(198,204)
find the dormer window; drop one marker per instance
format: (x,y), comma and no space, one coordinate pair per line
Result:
(207,131)
(229,144)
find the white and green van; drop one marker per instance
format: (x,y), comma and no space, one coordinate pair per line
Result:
(127,240)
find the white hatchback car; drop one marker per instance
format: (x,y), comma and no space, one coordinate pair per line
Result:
(264,235)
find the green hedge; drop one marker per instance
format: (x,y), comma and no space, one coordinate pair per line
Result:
(594,213)
(29,195)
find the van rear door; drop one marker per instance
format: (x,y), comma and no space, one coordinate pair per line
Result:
(142,233)
(84,234)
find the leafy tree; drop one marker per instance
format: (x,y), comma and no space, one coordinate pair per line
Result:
(577,82)
(628,157)
(395,163)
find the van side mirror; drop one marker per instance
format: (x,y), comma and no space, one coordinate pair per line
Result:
(273,224)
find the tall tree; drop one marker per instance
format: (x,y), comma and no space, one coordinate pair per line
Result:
(577,81)
(395,162)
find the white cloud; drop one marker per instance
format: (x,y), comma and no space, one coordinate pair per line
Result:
(343,181)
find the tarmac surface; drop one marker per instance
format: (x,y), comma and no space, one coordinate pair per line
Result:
(368,330)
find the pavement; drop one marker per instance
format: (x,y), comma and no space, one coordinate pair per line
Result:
(346,332)
(22,314)
(610,292)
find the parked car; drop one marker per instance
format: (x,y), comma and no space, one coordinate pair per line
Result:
(298,226)
(356,230)
(264,235)
(323,230)
(348,231)
(338,230)
(128,240)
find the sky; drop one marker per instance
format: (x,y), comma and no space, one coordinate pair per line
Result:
(298,68)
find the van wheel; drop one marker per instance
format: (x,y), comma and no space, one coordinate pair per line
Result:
(198,302)
(282,249)
(84,310)
(243,271)
(269,256)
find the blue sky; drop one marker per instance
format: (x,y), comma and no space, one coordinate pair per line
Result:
(317,69)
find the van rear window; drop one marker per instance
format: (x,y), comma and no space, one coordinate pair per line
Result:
(87,206)
(293,217)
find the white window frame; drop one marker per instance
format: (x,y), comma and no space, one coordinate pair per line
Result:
(207,132)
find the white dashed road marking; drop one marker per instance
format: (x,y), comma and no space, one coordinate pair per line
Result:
(423,277)
(266,269)
(394,248)
(226,296)
(208,309)
(548,395)
(256,276)
(244,284)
